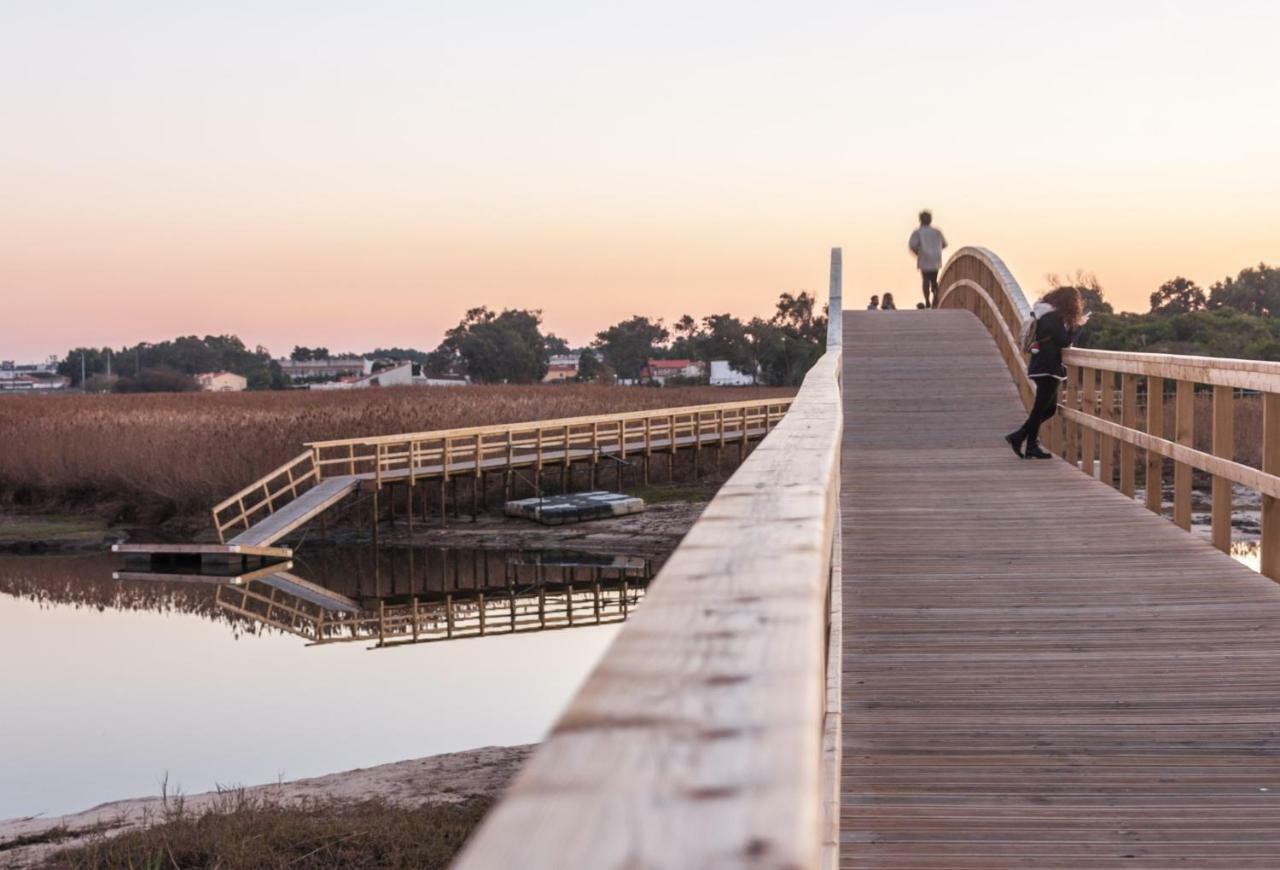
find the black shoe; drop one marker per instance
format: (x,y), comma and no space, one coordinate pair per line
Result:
(1015,440)
(1035,451)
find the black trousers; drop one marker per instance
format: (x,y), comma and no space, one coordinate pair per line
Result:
(1043,407)
(929,280)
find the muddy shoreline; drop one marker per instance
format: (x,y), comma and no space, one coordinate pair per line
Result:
(449,778)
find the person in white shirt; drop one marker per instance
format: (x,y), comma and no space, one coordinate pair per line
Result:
(927,244)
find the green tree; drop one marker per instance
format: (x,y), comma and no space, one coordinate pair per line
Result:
(589,367)
(494,348)
(1177,296)
(627,346)
(1253,291)
(790,342)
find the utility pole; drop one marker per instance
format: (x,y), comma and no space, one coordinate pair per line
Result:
(82,371)
(108,364)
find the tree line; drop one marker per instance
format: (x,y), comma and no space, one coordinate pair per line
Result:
(486,346)
(1233,318)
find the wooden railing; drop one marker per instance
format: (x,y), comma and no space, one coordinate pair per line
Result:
(698,740)
(266,495)
(1097,427)
(444,452)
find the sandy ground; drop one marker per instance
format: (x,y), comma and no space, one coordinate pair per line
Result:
(438,779)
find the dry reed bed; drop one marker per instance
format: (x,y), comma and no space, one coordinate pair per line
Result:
(162,454)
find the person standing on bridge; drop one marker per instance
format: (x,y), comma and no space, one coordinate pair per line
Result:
(927,244)
(1055,320)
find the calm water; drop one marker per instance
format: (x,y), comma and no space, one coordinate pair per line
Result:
(110,687)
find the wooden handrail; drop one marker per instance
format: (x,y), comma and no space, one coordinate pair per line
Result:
(1101,382)
(261,481)
(558,422)
(698,739)
(266,496)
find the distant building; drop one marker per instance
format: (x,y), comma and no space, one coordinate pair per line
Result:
(12,382)
(659,371)
(221,382)
(10,369)
(561,367)
(725,375)
(401,375)
(324,369)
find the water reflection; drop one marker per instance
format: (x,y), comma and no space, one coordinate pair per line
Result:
(1248,552)
(111,686)
(392,596)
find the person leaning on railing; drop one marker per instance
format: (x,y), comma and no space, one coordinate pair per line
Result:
(1055,320)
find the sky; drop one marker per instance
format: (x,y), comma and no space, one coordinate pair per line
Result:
(360,174)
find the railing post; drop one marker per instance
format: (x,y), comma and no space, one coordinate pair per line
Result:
(1106,444)
(1224,446)
(1128,419)
(1270,562)
(1184,422)
(1155,462)
(1088,405)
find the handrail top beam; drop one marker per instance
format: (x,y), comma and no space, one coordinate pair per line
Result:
(1220,371)
(261,481)
(557,423)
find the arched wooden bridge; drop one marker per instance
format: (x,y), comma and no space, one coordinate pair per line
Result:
(890,643)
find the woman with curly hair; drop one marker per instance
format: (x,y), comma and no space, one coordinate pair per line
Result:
(1055,321)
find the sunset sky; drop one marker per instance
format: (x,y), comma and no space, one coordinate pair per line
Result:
(359,174)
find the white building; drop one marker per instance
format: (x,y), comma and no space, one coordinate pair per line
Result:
(321,369)
(221,382)
(403,375)
(725,375)
(561,367)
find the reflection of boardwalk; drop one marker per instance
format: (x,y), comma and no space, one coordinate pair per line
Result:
(531,594)
(1037,671)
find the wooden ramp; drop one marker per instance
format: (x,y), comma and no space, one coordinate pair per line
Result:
(301,510)
(1037,671)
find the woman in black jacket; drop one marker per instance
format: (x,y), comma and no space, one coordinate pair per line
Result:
(1058,317)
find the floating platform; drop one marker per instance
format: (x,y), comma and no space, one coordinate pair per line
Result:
(260,551)
(558,510)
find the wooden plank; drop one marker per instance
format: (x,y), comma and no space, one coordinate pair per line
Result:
(1183,425)
(1224,446)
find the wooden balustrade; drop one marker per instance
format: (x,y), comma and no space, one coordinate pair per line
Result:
(976,280)
(266,495)
(587,439)
(707,736)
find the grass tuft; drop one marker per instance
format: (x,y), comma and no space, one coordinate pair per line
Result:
(246,833)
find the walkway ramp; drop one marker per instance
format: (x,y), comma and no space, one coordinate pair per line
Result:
(1037,671)
(301,510)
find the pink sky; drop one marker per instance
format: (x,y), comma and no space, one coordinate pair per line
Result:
(355,179)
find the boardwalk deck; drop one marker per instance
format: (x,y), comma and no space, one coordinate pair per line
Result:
(298,512)
(1037,672)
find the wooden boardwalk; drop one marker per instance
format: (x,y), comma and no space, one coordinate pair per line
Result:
(1037,672)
